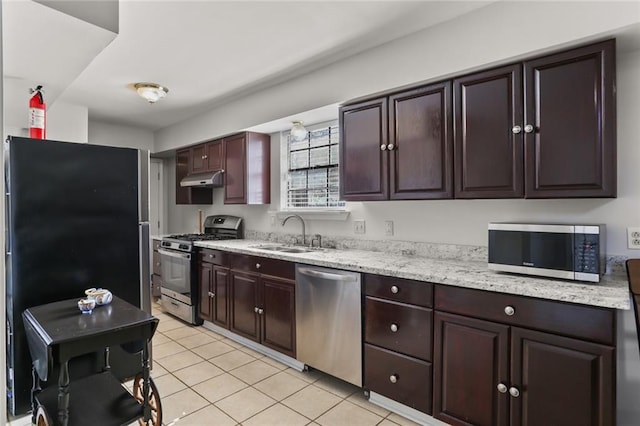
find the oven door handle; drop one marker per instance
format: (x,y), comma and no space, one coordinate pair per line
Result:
(174,254)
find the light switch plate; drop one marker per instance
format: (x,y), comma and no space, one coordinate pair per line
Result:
(388,227)
(358,227)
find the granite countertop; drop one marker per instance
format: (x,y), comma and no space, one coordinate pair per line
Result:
(611,292)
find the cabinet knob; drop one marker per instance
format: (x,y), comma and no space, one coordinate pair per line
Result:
(257,266)
(394,327)
(212,294)
(383,147)
(255,309)
(211,256)
(393,378)
(528,128)
(516,129)
(509,310)
(391,147)
(502,388)
(205,157)
(202,157)
(260,311)
(394,289)
(157,263)
(514,392)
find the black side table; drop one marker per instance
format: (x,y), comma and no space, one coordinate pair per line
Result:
(57,332)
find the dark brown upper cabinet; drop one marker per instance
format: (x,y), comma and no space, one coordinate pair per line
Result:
(421,143)
(403,153)
(206,157)
(541,129)
(570,123)
(364,163)
(488,114)
(189,195)
(247,171)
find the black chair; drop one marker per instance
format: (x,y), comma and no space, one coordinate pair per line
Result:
(633,273)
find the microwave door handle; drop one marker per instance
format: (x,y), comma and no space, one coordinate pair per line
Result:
(173,254)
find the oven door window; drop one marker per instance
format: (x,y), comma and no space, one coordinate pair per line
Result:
(176,271)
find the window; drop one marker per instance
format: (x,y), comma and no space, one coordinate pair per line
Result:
(311,174)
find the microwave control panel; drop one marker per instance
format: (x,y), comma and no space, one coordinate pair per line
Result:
(587,253)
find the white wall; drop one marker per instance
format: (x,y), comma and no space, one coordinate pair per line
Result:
(116,135)
(67,122)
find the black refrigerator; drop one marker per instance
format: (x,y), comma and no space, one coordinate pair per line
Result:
(77,217)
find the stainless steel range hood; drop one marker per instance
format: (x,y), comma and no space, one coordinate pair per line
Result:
(211,179)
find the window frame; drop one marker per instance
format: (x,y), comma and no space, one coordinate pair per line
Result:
(316,211)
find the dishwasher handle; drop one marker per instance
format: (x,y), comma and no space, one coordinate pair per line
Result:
(326,275)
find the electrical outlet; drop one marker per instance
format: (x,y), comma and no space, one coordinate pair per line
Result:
(273,220)
(388,227)
(633,238)
(358,227)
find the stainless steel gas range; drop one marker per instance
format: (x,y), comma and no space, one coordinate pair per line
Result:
(179,265)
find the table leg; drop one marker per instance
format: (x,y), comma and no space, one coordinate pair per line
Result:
(145,381)
(63,394)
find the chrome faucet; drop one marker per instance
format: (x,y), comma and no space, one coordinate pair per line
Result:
(304,239)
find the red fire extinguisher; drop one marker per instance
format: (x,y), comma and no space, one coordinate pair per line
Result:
(37,114)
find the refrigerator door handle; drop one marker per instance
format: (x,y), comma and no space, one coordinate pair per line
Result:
(145,269)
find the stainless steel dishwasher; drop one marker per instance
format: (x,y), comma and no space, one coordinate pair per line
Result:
(329,321)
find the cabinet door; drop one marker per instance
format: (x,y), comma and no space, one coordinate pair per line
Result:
(570,102)
(470,360)
(205,282)
(182,170)
(279,315)
(213,156)
(198,159)
(421,143)
(220,287)
(364,173)
(488,146)
(235,155)
(244,304)
(561,381)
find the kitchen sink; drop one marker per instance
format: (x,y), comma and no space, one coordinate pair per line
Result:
(286,249)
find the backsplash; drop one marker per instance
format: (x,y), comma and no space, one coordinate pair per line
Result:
(615,264)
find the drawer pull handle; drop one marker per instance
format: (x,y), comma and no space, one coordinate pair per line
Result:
(257,266)
(514,392)
(393,378)
(502,388)
(509,310)
(394,289)
(394,327)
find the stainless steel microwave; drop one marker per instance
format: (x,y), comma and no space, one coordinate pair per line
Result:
(573,252)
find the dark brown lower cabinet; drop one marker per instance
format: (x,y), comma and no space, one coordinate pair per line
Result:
(539,379)
(263,310)
(214,289)
(244,305)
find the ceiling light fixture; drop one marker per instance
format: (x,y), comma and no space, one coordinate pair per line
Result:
(150,91)
(298,132)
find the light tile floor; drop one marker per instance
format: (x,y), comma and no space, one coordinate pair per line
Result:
(206,379)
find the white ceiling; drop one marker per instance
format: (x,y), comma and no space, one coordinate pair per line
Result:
(207,52)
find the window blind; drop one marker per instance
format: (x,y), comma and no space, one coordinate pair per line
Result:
(313,177)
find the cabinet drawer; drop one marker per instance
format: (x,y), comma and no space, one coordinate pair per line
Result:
(399,289)
(413,327)
(216,257)
(264,265)
(585,322)
(155,244)
(412,385)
